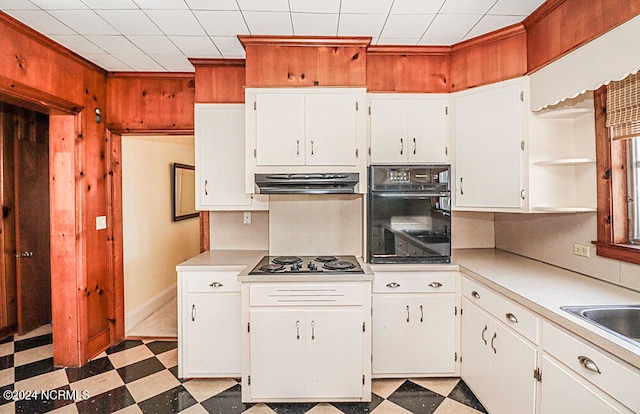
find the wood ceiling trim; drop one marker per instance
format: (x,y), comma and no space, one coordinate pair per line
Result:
(198,62)
(35,99)
(409,50)
(495,36)
(358,41)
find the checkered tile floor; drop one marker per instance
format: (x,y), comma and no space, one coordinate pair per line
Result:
(141,377)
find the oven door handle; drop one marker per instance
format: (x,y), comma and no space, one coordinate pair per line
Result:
(410,195)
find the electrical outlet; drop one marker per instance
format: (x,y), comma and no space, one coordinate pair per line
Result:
(246,218)
(581,250)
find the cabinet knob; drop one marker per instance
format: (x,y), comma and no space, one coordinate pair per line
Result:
(435,284)
(511,317)
(588,364)
(216,284)
(393,285)
(475,294)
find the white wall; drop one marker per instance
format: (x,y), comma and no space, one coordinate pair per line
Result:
(550,238)
(153,243)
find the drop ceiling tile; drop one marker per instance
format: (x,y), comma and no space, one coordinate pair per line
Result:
(366,6)
(174,63)
(467,6)
(196,46)
(361,25)
(269,23)
(130,22)
(17,5)
(491,23)
(315,6)
(397,41)
(154,45)
(40,21)
(77,43)
(114,44)
(162,4)
(107,62)
(264,5)
(222,23)
(407,26)
(85,22)
(454,26)
(230,47)
(212,5)
(315,24)
(416,6)
(176,22)
(60,4)
(518,8)
(110,4)
(140,62)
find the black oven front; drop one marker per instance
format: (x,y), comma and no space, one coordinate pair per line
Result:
(409,214)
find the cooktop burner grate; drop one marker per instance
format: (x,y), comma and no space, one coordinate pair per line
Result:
(273,265)
(286,260)
(326,258)
(339,265)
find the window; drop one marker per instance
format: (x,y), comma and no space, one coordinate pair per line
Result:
(617,108)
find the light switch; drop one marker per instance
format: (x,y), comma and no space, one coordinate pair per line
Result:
(101,222)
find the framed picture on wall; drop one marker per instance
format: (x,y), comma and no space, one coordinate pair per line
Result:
(184,192)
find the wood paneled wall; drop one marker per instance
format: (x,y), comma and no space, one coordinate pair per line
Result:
(559,26)
(150,102)
(305,61)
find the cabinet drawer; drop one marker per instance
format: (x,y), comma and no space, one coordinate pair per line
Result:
(213,282)
(511,314)
(617,379)
(309,294)
(415,282)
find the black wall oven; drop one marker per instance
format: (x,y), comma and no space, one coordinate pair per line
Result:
(409,214)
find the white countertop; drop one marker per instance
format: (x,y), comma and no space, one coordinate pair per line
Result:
(222,260)
(543,288)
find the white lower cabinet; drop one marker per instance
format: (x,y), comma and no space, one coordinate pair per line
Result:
(209,325)
(414,324)
(307,342)
(497,362)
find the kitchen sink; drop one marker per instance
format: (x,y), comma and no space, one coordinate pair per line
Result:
(622,321)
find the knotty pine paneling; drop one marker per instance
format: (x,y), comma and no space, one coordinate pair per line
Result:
(494,57)
(408,69)
(219,80)
(298,61)
(559,26)
(150,102)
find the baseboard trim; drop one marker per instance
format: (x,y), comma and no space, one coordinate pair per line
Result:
(141,312)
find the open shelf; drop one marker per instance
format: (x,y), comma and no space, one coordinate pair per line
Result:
(566,161)
(565,113)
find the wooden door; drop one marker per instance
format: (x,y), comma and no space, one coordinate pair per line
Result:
(33,269)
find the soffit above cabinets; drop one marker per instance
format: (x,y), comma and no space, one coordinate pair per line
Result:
(161,35)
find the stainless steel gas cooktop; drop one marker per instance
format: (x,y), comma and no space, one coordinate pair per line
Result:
(307,264)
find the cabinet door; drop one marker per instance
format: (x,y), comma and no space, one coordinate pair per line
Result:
(392,334)
(388,131)
(330,129)
(434,343)
(212,335)
(513,388)
(476,363)
(487,148)
(220,155)
(277,353)
(562,392)
(426,133)
(334,340)
(280,128)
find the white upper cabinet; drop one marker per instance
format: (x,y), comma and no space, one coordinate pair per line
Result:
(408,128)
(305,130)
(220,159)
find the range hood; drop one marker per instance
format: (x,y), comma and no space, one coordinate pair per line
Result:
(307,183)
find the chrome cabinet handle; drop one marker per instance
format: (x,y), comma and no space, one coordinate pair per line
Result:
(493,338)
(216,284)
(435,284)
(393,285)
(589,364)
(297,148)
(206,183)
(313,330)
(193,312)
(407,313)
(298,330)
(511,317)
(312,148)
(415,146)
(461,189)
(482,334)
(421,314)
(401,146)
(475,294)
